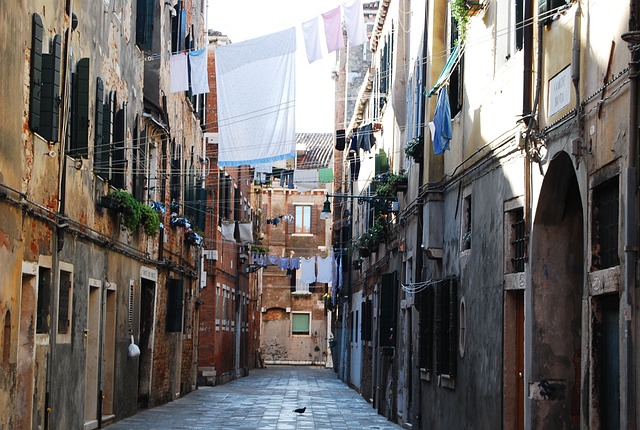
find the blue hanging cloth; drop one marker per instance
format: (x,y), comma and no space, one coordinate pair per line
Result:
(442,122)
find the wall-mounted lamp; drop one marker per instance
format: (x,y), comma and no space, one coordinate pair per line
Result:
(326,210)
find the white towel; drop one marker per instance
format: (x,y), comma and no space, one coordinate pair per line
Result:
(354,21)
(325,270)
(228,231)
(305,180)
(308,270)
(256,99)
(333,29)
(199,73)
(178,73)
(312,39)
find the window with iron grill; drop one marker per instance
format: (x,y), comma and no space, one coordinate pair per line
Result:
(518,244)
(604,228)
(64,302)
(44,300)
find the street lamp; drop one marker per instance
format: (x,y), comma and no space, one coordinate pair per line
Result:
(326,210)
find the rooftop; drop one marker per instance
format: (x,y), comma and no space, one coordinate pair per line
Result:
(315,150)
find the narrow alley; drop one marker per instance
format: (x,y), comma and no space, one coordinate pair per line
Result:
(266,399)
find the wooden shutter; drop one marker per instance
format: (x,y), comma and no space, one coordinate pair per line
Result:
(426,328)
(50,96)
(119,162)
(99,117)
(446,327)
(388,296)
(35,92)
(80,111)
(174,305)
(102,150)
(144,24)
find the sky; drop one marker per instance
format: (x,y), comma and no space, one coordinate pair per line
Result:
(241,20)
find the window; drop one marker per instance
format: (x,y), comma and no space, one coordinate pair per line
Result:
(174,306)
(303,219)
(44,300)
(516,240)
(300,323)
(64,302)
(6,338)
(118,156)
(388,300)
(465,240)
(509,22)
(445,305)
(547,9)
(104,131)
(604,225)
(45,83)
(79,142)
(367,320)
(144,24)
(426,329)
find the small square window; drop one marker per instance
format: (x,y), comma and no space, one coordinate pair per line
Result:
(300,323)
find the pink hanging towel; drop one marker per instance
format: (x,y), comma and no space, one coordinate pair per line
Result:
(333,29)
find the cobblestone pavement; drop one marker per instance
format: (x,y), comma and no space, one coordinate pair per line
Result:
(265,400)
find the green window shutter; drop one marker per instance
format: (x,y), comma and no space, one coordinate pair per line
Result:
(300,323)
(388,296)
(202,205)
(99,117)
(174,305)
(102,150)
(144,24)
(50,100)
(119,162)
(36,73)
(139,162)
(80,111)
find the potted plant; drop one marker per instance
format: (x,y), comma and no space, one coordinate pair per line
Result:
(128,206)
(415,148)
(149,219)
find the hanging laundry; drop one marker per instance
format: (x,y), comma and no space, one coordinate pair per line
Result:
(340,140)
(263,168)
(366,140)
(273,260)
(311,35)
(178,73)
(294,263)
(333,29)
(283,264)
(325,175)
(199,72)
(246,232)
(228,231)
(286,178)
(256,76)
(353,144)
(442,122)
(308,270)
(305,180)
(354,22)
(325,272)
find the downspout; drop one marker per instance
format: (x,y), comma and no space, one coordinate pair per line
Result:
(59,231)
(630,233)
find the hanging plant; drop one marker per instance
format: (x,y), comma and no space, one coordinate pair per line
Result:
(460,12)
(134,213)
(150,220)
(128,206)
(415,148)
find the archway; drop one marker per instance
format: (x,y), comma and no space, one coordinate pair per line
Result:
(557,272)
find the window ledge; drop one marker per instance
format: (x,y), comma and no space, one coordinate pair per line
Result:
(446,381)
(302,235)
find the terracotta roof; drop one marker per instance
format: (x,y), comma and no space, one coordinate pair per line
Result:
(318,150)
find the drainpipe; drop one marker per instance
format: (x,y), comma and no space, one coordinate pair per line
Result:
(630,233)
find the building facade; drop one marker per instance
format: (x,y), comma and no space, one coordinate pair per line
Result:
(99,156)
(508,268)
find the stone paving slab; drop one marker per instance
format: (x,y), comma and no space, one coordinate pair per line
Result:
(265,400)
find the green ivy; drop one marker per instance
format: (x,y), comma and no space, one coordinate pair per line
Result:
(460,12)
(135,213)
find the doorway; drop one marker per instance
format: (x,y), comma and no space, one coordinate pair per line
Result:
(557,279)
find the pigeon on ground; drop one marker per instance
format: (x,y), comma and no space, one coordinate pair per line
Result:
(300,410)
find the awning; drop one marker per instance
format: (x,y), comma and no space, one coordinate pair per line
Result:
(446,71)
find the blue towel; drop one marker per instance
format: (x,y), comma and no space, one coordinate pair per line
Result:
(442,121)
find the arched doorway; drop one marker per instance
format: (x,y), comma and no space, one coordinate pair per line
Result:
(557,273)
